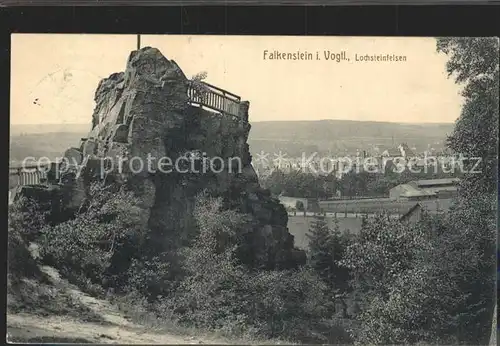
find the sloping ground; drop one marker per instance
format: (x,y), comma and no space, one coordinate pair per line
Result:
(52,310)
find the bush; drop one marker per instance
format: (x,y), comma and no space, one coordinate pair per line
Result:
(268,304)
(20,263)
(27,217)
(152,278)
(25,220)
(84,248)
(219,292)
(431,282)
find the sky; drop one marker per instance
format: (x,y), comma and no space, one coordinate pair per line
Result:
(54,76)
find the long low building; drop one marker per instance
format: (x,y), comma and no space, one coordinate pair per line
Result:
(425,189)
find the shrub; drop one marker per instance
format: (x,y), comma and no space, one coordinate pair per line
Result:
(152,278)
(219,292)
(267,304)
(20,263)
(431,282)
(85,247)
(27,217)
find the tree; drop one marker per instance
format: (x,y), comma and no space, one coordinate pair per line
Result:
(299,206)
(326,249)
(474,64)
(407,295)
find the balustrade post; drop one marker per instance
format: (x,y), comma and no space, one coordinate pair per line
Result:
(19,178)
(224,102)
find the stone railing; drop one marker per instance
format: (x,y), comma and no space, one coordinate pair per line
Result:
(27,175)
(215,99)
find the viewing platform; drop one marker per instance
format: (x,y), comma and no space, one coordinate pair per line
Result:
(218,100)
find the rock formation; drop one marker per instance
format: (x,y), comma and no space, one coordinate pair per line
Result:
(144,114)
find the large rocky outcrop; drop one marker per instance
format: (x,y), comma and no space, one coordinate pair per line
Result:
(144,114)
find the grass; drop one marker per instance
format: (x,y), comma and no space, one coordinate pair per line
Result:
(51,339)
(136,311)
(31,290)
(41,297)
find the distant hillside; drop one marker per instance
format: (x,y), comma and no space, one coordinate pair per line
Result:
(290,137)
(16,130)
(339,136)
(51,145)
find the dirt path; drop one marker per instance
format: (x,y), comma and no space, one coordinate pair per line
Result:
(112,327)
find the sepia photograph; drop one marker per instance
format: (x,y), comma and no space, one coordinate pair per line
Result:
(204,189)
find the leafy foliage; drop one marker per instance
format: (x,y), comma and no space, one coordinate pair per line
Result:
(474,64)
(84,247)
(20,262)
(219,292)
(406,297)
(27,217)
(353,184)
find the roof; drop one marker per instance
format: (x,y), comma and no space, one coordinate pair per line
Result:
(433,207)
(409,190)
(431,182)
(437,205)
(410,211)
(392,152)
(426,187)
(290,199)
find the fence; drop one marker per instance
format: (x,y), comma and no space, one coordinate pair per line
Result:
(28,175)
(214,98)
(345,214)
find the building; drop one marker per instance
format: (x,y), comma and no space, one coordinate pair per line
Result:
(405,150)
(425,189)
(310,204)
(415,213)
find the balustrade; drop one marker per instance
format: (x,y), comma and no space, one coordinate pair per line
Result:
(28,175)
(215,99)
